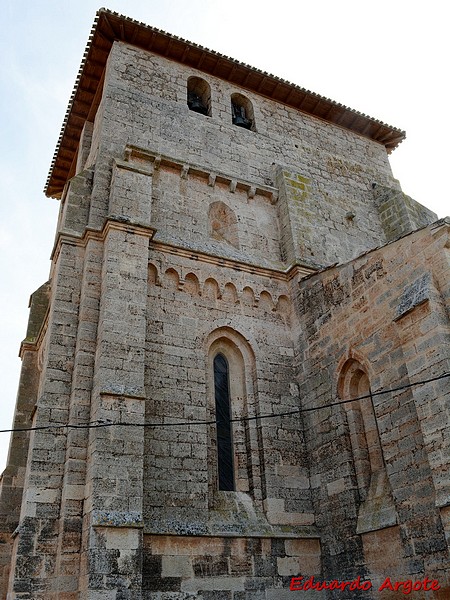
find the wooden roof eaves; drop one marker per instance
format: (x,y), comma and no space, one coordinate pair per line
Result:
(185,54)
(109,26)
(51,188)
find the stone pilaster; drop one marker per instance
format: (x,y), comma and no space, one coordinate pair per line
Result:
(115,463)
(12,479)
(293,207)
(423,330)
(35,547)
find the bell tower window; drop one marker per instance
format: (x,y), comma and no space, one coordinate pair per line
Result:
(224,433)
(199,96)
(242,114)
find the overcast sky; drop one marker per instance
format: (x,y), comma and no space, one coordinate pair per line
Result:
(387,59)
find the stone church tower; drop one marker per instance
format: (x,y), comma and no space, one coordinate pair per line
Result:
(236,373)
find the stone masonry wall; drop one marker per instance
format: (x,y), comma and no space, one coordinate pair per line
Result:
(13,478)
(391,315)
(399,213)
(189,302)
(149,111)
(227,568)
(182,236)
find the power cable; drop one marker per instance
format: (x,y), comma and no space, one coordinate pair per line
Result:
(102,424)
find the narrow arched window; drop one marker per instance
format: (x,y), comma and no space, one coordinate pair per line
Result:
(223,419)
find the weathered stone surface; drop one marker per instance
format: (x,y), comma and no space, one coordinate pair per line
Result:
(181,237)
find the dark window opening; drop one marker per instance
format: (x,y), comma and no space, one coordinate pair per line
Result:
(239,117)
(195,103)
(223,416)
(242,112)
(199,96)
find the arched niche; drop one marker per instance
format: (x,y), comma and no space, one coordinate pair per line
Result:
(266,302)
(152,274)
(230,294)
(191,285)
(211,290)
(171,279)
(248,297)
(223,224)
(354,385)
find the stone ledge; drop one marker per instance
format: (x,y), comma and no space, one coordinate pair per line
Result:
(212,177)
(112,222)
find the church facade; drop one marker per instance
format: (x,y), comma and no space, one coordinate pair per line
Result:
(235,382)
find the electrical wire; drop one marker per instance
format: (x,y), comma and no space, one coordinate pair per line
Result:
(103,424)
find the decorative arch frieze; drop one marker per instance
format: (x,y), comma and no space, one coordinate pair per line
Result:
(230,294)
(283,306)
(211,290)
(191,284)
(171,279)
(266,302)
(248,297)
(153,278)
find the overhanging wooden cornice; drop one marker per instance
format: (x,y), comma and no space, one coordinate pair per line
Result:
(110,27)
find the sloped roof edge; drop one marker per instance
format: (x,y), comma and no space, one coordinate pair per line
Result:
(110,26)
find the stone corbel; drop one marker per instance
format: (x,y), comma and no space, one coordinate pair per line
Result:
(251,192)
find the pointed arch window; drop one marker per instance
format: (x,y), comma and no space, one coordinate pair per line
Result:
(224,431)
